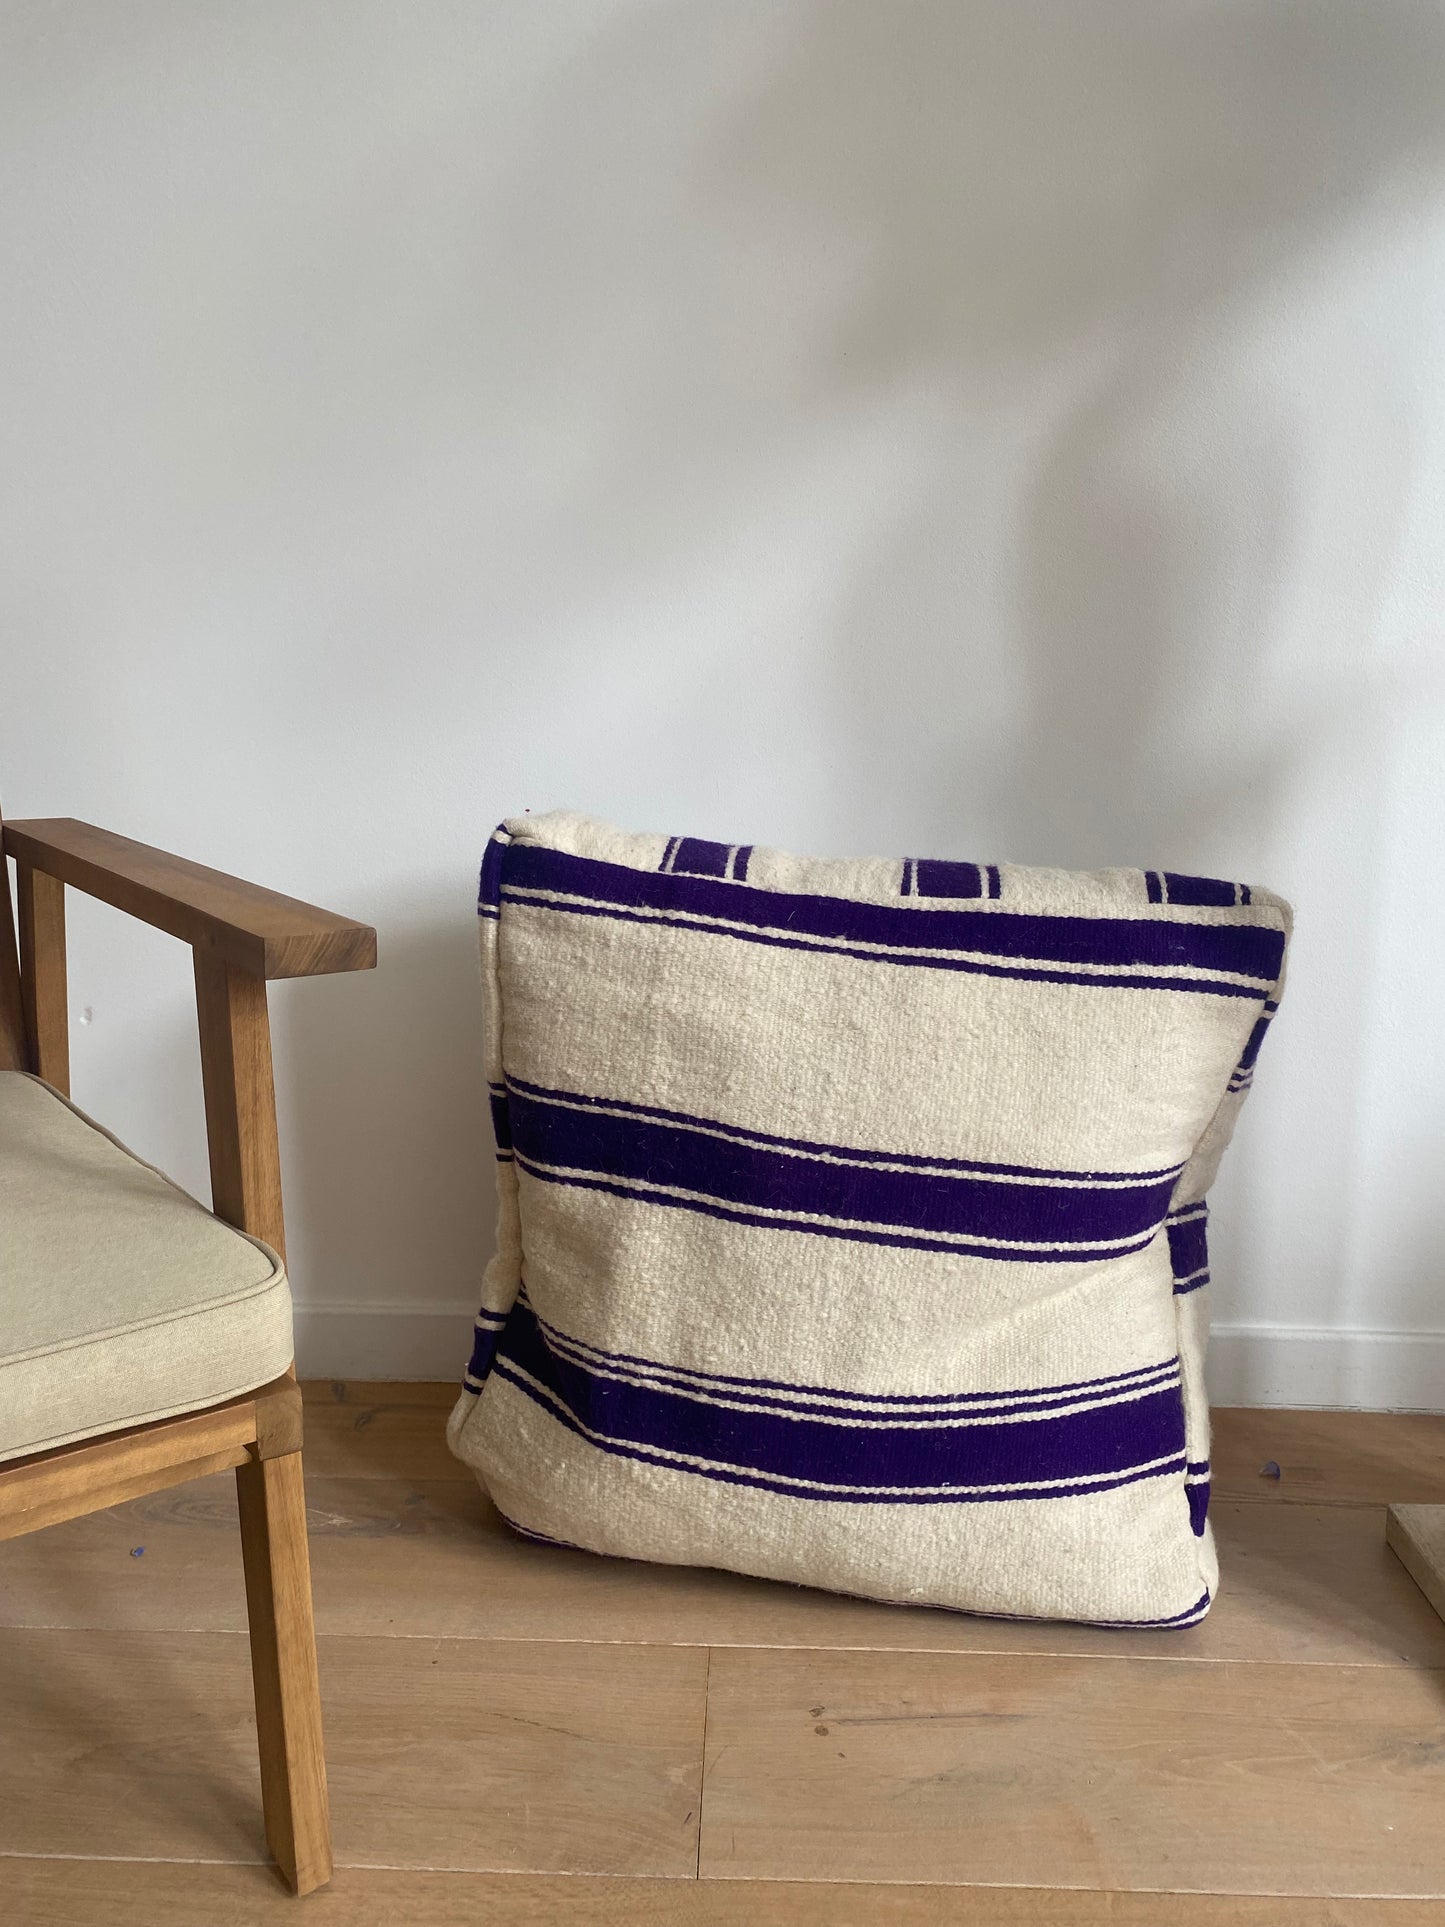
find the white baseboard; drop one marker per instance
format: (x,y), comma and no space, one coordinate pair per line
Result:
(417,1340)
(1377,1371)
(1248,1364)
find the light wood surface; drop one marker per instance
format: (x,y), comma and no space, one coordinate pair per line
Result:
(360,1429)
(1328,1458)
(240,935)
(72,1480)
(430,1559)
(240,1098)
(254,929)
(515,1714)
(41,907)
(272,1508)
(1416,1534)
(115,1492)
(523,1757)
(1126,1773)
(70,1893)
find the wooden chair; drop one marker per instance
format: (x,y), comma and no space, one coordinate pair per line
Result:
(93,1454)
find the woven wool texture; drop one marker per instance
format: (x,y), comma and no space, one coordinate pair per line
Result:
(852,1214)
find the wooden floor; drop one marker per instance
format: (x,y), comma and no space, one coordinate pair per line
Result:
(522,1734)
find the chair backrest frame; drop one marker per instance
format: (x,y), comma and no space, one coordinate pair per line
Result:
(14,1051)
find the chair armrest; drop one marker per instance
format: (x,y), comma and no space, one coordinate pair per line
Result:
(255,930)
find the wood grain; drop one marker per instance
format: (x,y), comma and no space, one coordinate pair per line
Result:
(240,1097)
(256,930)
(1329,1458)
(535,1758)
(492,1704)
(1120,1774)
(364,1429)
(431,1559)
(41,904)
(1416,1534)
(75,1479)
(81,1893)
(272,1507)
(116,1493)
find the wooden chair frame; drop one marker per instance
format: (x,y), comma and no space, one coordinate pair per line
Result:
(240,936)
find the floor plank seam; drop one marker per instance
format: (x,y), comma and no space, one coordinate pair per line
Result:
(134,1859)
(1404,1663)
(702,1763)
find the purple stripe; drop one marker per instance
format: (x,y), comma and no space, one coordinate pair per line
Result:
(1197,1494)
(1154,885)
(668,853)
(845,1406)
(1094,981)
(1098,1449)
(1256,1038)
(764,1138)
(948,879)
(741,861)
(1136,942)
(894,1240)
(697,857)
(484,1352)
(631,1150)
(995,883)
(1198,890)
(489,888)
(1118,1381)
(1190,1617)
(501,1122)
(1189,1246)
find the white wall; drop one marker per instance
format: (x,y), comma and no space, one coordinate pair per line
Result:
(1013,428)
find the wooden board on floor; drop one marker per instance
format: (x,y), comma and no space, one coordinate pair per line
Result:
(57,1893)
(1104,1774)
(1416,1535)
(432,1559)
(506,1756)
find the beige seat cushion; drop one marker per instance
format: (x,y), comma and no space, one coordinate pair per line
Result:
(121,1298)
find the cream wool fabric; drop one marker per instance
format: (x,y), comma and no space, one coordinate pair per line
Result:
(852,1223)
(121,1299)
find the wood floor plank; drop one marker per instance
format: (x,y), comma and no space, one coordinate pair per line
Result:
(431,1559)
(1332,1458)
(82,1893)
(510,1756)
(1050,1771)
(360,1429)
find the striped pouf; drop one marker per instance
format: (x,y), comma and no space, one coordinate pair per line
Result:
(852,1223)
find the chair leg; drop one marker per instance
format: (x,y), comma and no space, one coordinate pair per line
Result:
(283,1668)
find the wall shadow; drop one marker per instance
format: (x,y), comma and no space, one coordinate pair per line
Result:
(1060,223)
(385,1136)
